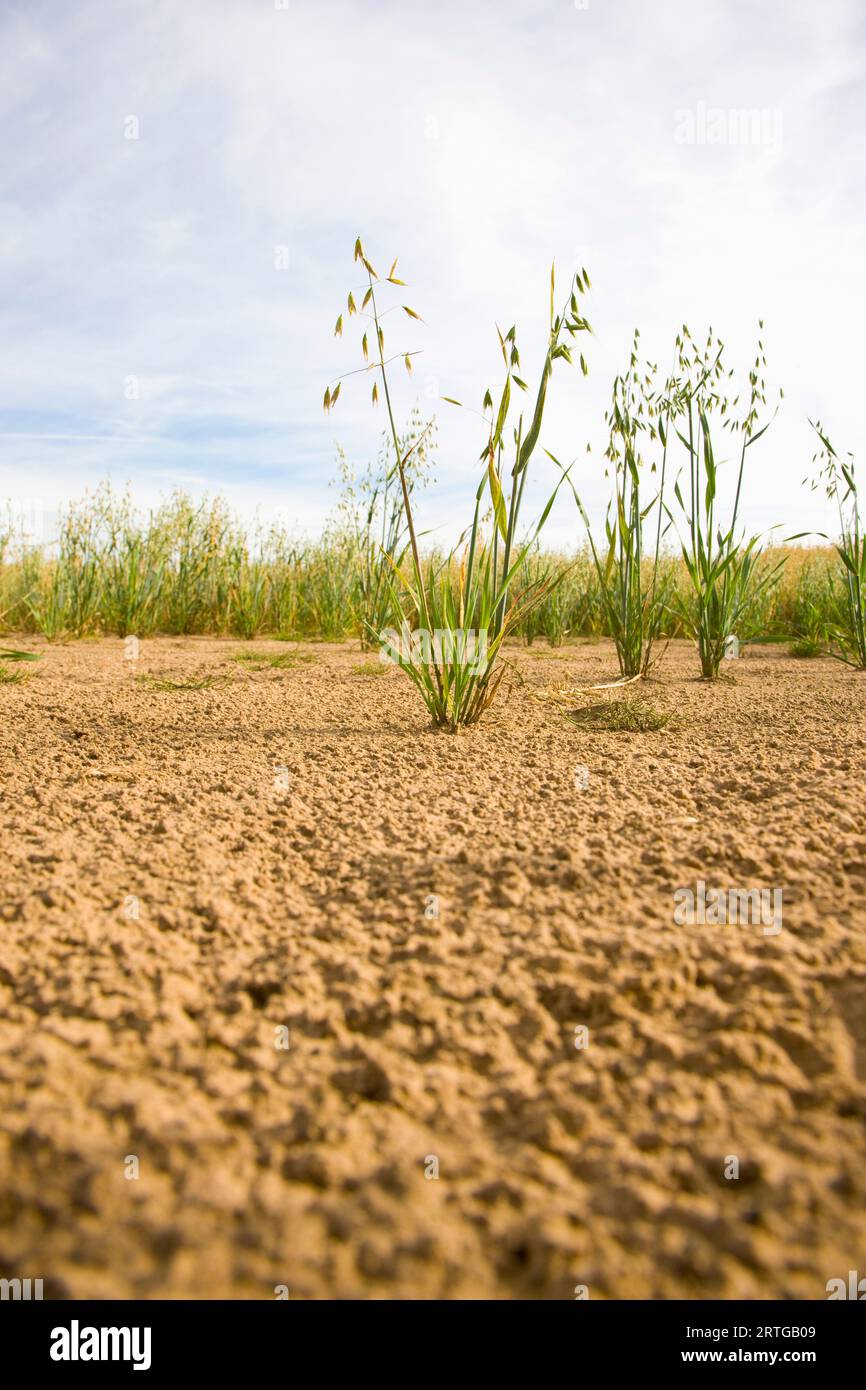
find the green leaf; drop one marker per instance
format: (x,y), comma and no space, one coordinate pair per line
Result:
(498,499)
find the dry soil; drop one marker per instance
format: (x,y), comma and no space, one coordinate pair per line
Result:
(273,953)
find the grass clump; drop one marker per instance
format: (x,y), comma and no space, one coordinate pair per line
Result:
(848,627)
(805,648)
(450,617)
(8,656)
(630,716)
(167,683)
(634,596)
(279,661)
(11,676)
(726,579)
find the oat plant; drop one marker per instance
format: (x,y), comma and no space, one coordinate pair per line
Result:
(848,630)
(635,595)
(725,576)
(452,617)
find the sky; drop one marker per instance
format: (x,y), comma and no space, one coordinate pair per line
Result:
(182,185)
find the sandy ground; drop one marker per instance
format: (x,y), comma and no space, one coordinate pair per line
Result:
(188,872)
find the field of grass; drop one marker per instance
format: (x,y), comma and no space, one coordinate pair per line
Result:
(188,570)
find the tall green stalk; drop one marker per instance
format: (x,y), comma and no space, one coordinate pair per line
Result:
(725,576)
(463,606)
(635,605)
(848,632)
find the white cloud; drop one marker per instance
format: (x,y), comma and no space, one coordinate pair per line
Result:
(475,140)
